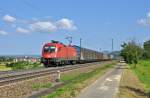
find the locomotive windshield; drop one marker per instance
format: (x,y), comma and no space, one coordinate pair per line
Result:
(49,49)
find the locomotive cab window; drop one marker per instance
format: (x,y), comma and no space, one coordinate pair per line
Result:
(49,49)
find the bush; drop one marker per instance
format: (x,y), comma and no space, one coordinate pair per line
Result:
(131,52)
(23,65)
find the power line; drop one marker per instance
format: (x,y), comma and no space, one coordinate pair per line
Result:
(25,2)
(29,4)
(69,38)
(6,11)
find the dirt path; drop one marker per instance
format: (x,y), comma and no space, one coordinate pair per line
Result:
(130,86)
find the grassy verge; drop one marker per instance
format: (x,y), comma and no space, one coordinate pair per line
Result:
(131,86)
(77,81)
(39,86)
(4,68)
(135,82)
(143,72)
(23,65)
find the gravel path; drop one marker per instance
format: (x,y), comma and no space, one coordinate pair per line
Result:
(106,86)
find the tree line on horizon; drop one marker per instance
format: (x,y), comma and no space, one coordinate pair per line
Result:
(132,51)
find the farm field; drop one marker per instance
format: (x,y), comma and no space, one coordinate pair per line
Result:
(3,67)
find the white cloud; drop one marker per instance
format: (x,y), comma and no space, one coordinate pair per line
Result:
(22,30)
(66,24)
(39,25)
(3,32)
(148,14)
(43,26)
(48,26)
(9,18)
(145,21)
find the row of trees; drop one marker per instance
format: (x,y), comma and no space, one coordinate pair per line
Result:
(146,53)
(133,51)
(6,59)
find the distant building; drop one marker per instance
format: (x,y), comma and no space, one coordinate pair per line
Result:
(27,59)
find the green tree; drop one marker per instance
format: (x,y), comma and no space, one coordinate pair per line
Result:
(131,52)
(146,54)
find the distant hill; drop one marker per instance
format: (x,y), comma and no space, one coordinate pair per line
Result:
(116,54)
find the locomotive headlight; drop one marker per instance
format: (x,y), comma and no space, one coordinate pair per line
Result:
(56,49)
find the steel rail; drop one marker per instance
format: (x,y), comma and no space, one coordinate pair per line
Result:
(12,78)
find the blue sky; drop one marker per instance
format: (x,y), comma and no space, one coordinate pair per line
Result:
(25,25)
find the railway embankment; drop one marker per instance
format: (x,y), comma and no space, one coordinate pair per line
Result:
(22,88)
(31,86)
(78,80)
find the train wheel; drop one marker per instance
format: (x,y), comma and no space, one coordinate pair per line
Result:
(73,62)
(62,63)
(46,65)
(57,64)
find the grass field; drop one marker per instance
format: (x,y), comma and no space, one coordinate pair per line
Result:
(143,72)
(4,68)
(77,81)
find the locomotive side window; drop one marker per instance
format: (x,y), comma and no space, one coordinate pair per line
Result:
(49,49)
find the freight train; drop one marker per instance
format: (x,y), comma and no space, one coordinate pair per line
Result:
(56,53)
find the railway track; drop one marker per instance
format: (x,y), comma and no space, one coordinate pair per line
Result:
(12,77)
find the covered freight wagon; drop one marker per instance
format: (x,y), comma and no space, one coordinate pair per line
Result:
(88,55)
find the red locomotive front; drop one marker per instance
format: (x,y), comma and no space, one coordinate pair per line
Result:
(56,53)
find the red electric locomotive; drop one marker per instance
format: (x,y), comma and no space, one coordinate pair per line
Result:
(56,53)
